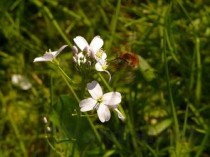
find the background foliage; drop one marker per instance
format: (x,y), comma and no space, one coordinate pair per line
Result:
(166,99)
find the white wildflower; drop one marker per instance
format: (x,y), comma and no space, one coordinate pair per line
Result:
(49,56)
(101,102)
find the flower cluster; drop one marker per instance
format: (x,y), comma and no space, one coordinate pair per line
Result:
(91,53)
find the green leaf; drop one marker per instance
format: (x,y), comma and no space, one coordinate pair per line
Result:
(159,127)
(147,71)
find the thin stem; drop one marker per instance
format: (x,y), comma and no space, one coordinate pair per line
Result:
(113,25)
(185,11)
(151,150)
(53,148)
(129,121)
(170,47)
(185,121)
(173,109)
(192,73)
(64,9)
(54,22)
(198,116)
(67,79)
(110,89)
(204,142)
(199,71)
(171,96)
(133,136)
(65,74)
(105,82)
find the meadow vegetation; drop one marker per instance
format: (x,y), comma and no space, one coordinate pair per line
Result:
(165,96)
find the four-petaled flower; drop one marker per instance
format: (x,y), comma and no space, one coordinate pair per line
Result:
(49,56)
(101,102)
(95,45)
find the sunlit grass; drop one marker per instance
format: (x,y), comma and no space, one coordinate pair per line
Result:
(165,99)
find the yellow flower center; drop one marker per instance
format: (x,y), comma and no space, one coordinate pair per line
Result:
(99,54)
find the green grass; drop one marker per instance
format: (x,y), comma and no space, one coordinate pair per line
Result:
(165,99)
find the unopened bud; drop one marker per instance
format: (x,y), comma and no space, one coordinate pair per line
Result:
(75,50)
(45,120)
(48,129)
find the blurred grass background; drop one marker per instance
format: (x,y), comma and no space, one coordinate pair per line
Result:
(167,106)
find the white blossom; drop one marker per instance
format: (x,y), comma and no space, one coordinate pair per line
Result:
(95,45)
(102,65)
(101,102)
(93,50)
(100,55)
(49,56)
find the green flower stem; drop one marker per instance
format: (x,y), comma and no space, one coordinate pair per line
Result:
(53,148)
(198,71)
(113,25)
(185,121)
(67,79)
(110,89)
(105,82)
(64,10)
(129,122)
(166,49)
(133,135)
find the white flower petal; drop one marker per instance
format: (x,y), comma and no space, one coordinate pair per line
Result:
(87,104)
(55,53)
(112,98)
(99,67)
(110,77)
(95,90)
(41,59)
(81,42)
(104,56)
(80,55)
(96,44)
(48,56)
(75,50)
(100,55)
(120,116)
(103,113)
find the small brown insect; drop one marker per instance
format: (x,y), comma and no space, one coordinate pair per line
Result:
(130,58)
